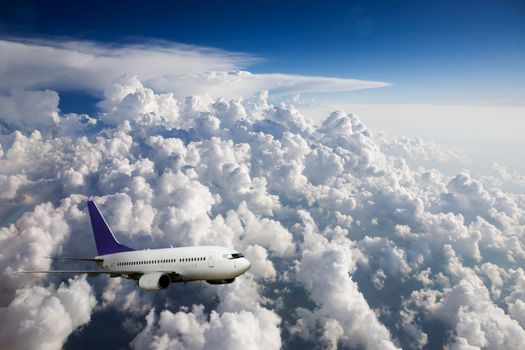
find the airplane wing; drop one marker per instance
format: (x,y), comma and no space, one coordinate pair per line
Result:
(126,274)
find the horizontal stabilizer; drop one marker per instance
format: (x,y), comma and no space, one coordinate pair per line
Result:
(74,258)
(89,273)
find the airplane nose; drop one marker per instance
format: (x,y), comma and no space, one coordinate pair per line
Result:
(247,264)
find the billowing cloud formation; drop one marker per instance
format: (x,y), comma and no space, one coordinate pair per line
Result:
(183,69)
(242,323)
(356,240)
(42,318)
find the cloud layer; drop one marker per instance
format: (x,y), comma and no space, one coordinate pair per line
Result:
(356,240)
(166,67)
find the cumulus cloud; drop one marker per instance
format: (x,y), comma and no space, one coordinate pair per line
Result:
(42,318)
(29,110)
(343,313)
(240,322)
(35,236)
(167,67)
(356,239)
(191,330)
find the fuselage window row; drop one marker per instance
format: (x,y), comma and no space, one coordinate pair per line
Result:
(160,261)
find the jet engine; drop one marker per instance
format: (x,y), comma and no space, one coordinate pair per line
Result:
(154,281)
(226,281)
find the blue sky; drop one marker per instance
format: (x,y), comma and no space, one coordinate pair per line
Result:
(433,52)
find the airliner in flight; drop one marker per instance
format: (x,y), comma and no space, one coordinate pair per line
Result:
(156,269)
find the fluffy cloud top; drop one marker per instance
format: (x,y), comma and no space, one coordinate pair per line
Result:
(42,318)
(355,240)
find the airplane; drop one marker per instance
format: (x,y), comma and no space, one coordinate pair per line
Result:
(156,269)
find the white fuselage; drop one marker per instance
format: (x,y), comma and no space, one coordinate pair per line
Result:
(186,263)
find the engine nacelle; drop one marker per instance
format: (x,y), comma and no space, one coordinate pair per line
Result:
(154,281)
(226,281)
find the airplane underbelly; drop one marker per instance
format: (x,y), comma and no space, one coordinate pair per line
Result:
(206,273)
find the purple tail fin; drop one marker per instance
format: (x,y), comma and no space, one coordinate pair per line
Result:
(104,238)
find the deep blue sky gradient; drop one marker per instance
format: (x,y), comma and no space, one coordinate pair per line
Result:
(433,51)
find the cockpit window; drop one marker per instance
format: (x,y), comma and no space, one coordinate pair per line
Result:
(233,256)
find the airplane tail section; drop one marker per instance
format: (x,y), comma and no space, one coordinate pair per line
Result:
(104,238)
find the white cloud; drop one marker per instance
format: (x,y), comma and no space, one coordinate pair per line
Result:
(43,318)
(192,330)
(240,322)
(342,310)
(332,217)
(477,320)
(34,237)
(29,110)
(183,69)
